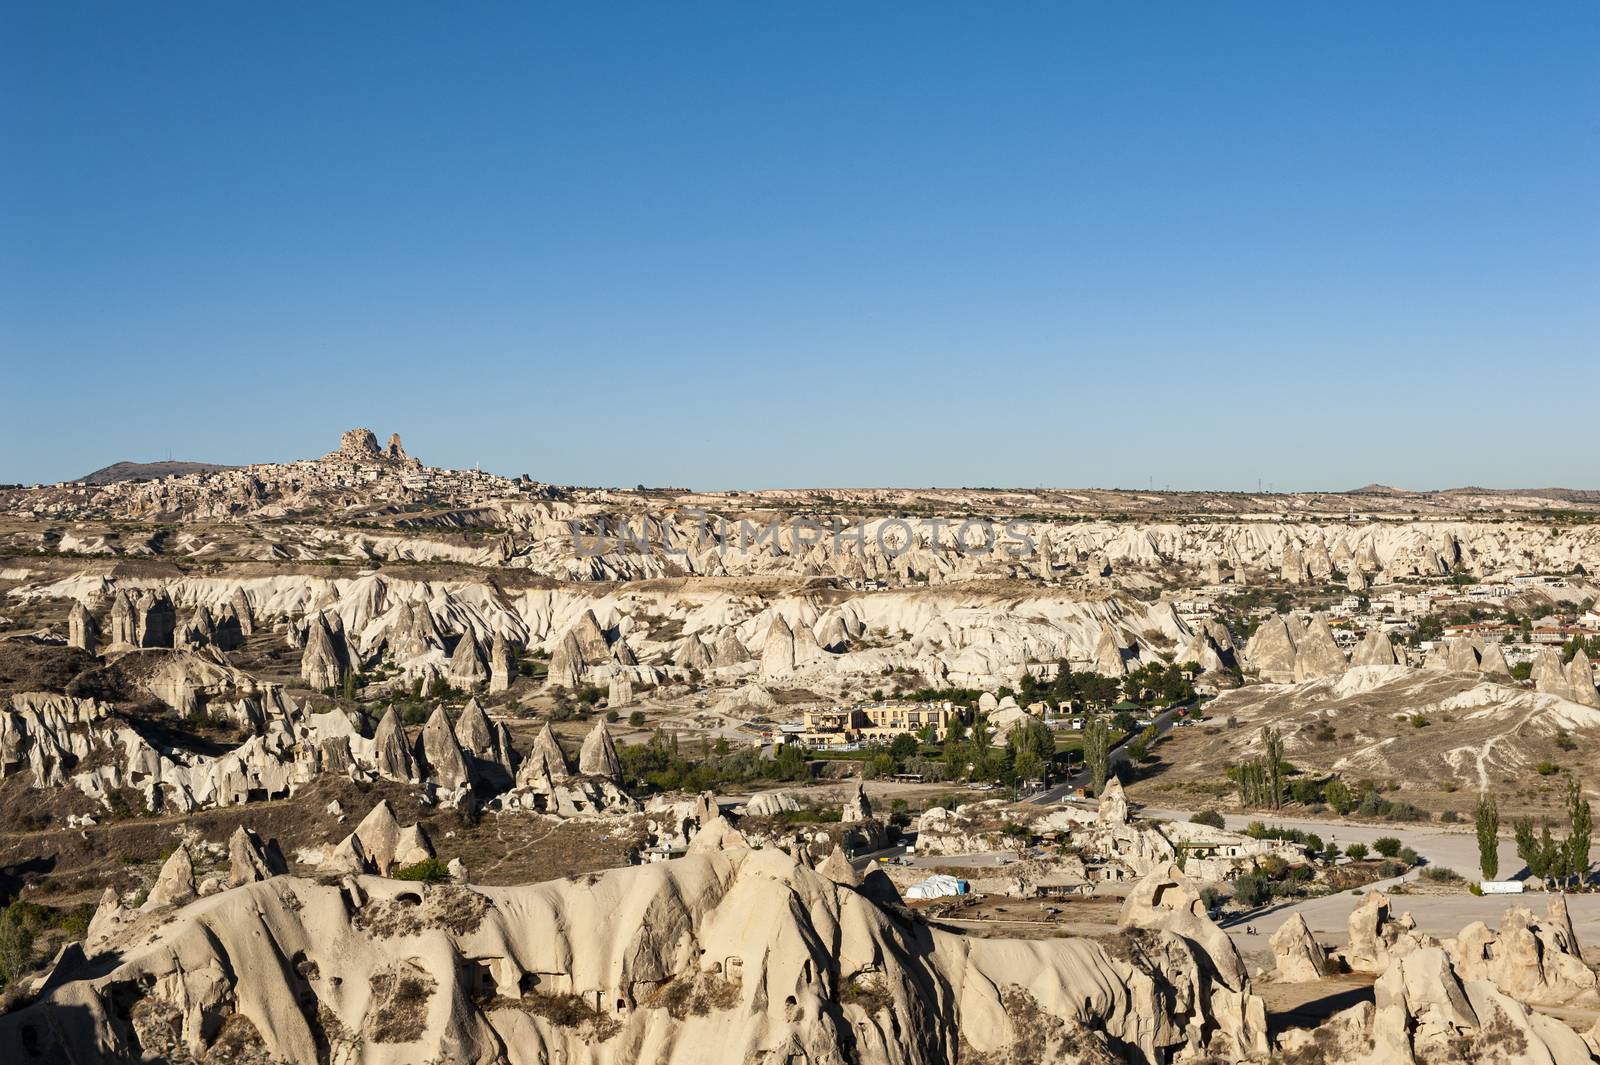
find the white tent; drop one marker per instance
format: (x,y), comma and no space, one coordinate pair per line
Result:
(937,886)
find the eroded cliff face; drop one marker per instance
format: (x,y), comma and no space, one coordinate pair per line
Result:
(650,542)
(965,636)
(730,956)
(724,956)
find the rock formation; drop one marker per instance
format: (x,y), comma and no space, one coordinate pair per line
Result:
(566,664)
(1271,651)
(174,885)
(250,859)
(391,754)
(1113,808)
(468,669)
(1299,957)
(323,662)
(778,650)
(438,753)
(1317,654)
(1375,935)
(1493,663)
(1535,962)
(502,664)
(1108,654)
(1549,675)
(1580,678)
(598,757)
(82,630)
(778,961)
(1375,650)
(856,805)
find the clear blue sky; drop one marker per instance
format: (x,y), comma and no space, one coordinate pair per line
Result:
(754,244)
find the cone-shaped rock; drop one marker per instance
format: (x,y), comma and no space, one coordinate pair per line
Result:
(1108,659)
(1493,663)
(502,665)
(175,884)
(467,666)
(777,651)
(1580,676)
(599,757)
(379,835)
(440,753)
(729,651)
(566,665)
(1375,650)
(1317,653)
(82,632)
(250,860)
(390,754)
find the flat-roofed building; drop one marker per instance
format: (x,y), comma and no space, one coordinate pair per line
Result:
(852,726)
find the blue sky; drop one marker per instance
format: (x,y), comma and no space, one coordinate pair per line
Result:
(747,245)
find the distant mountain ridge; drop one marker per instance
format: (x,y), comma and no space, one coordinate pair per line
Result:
(146,471)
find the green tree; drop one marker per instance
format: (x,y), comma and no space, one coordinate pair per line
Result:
(16,946)
(904,746)
(1387,846)
(1097,751)
(1542,855)
(1273,744)
(1487,817)
(1251,890)
(1581,822)
(1028,765)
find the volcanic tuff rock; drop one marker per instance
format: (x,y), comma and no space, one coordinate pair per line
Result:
(468,669)
(502,664)
(1298,956)
(439,754)
(1376,650)
(82,630)
(599,757)
(1535,962)
(727,955)
(390,753)
(250,859)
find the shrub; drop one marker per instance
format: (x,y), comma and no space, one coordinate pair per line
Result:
(1387,846)
(1441,875)
(1251,890)
(1546,769)
(16,947)
(1209,817)
(428,871)
(1356,851)
(1409,856)
(636,719)
(1449,817)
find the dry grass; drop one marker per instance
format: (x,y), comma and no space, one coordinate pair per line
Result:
(399,1009)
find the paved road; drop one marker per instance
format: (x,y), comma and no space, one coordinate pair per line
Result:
(1163,722)
(862,861)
